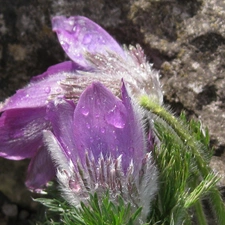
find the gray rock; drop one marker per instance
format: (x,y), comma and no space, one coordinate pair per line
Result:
(189,40)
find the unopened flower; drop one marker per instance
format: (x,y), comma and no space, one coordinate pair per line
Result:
(95,56)
(100,147)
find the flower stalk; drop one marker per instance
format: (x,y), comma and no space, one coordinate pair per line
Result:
(199,170)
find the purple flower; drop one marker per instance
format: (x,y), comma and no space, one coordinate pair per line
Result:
(23,118)
(95,56)
(79,35)
(101,147)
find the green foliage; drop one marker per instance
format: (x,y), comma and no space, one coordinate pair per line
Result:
(185,176)
(178,190)
(96,212)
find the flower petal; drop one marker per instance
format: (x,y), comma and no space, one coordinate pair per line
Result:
(41,88)
(67,66)
(20,132)
(41,170)
(135,128)
(105,124)
(60,114)
(79,35)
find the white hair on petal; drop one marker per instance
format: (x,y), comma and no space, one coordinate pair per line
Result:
(148,185)
(55,150)
(110,68)
(65,167)
(107,175)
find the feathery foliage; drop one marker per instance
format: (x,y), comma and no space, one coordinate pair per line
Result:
(97,212)
(185,176)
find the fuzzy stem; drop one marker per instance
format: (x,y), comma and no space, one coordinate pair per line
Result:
(217,206)
(215,197)
(200,213)
(177,126)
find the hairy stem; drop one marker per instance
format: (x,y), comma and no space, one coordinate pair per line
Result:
(203,168)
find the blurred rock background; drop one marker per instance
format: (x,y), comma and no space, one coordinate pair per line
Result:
(184,39)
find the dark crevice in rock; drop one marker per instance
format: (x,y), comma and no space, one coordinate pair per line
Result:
(4,58)
(157,57)
(10,20)
(222,105)
(222,191)
(208,42)
(16,4)
(192,6)
(218,151)
(208,95)
(120,33)
(198,56)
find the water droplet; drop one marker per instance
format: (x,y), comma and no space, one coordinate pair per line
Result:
(78,55)
(74,186)
(58,90)
(76,29)
(98,102)
(47,90)
(116,118)
(131,150)
(87,39)
(65,45)
(103,130)
(88,126)
(101,40)
(84,111)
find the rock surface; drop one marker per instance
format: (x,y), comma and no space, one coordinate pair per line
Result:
(184,39)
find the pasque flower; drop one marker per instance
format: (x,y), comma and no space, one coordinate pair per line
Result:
(101,147)
(95,56)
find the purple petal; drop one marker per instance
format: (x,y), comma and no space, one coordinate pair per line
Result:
(20,132)
(134,128)
(105,124)
(60,114)
(40,170)
(56,151)
(66,66)
(41,88)
(79,35)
